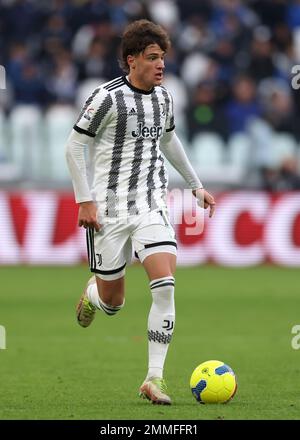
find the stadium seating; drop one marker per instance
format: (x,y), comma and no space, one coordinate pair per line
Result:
(284,147)
(239,150)
(3,152)
(212,42)
(32,146)
(27,150)
(59,121)
(210,159)
(85,89)
(208,150)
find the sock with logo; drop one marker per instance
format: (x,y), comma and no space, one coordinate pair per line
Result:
(161,322)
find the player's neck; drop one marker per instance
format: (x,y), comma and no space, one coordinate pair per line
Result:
(138,84)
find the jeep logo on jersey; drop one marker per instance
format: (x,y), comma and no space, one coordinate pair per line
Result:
(144,132)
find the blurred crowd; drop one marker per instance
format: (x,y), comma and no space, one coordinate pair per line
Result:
(230,71)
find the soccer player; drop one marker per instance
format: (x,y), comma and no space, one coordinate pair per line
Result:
(125,126)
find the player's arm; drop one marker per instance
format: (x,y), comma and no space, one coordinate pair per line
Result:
(174,152)
(76,147)
(93,117)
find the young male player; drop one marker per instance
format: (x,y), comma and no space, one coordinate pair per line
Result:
(121,191)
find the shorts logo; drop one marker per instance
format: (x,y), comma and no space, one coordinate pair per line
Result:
(99,262)
(144,132)
(88,114)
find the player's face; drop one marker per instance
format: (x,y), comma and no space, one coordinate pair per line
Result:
(147,68)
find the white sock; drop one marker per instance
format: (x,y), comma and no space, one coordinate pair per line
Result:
(94,298)
(161,322)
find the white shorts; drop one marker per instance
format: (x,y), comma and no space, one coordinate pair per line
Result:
(110,249)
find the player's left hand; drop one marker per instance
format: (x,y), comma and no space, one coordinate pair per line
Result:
(205,200)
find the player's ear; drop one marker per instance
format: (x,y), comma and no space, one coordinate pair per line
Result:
(131,61)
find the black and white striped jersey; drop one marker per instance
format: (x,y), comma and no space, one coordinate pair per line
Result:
(127,171)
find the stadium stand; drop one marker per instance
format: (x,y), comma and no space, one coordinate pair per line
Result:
(229,71)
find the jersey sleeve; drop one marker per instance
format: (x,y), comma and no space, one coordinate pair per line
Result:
(170,122)
(94,113)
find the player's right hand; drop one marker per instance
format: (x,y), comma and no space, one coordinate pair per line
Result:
(87,215)
(205,200)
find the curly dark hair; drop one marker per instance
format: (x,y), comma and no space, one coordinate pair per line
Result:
(138,35)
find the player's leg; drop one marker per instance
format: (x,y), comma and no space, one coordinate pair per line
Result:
(106,295)
(160,268)
(160,264)
(111,291)
(156,248)
(107,252)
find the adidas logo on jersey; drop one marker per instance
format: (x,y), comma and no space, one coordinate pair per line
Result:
(145,132)
(132,111)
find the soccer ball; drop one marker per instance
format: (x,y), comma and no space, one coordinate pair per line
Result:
(213,382)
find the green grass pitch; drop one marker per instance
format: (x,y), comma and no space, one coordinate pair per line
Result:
(54,369)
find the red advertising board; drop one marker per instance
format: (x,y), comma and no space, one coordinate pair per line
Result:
(248,228)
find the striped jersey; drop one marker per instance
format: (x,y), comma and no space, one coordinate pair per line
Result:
(127,174)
